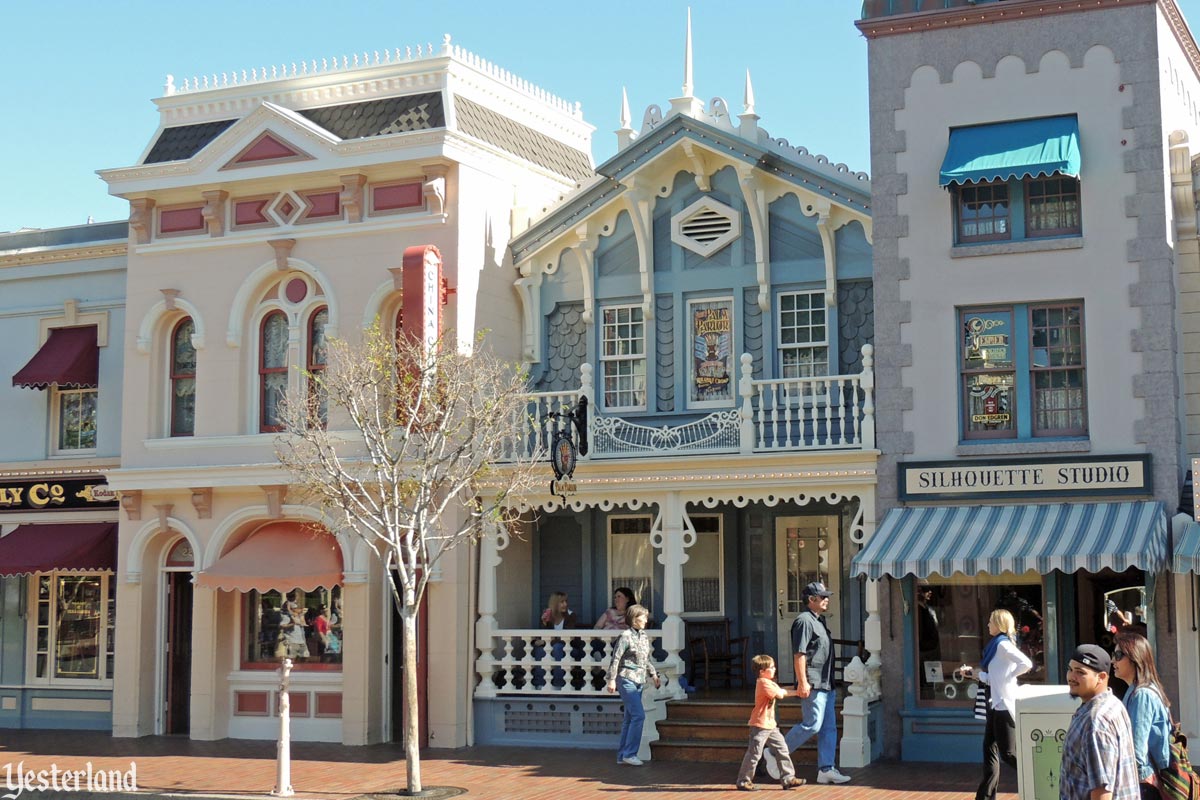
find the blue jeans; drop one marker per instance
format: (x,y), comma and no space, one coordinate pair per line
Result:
(820,717)
(635,718)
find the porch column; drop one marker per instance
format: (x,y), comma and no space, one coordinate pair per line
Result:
(485,627)
(863,678)
(672,539)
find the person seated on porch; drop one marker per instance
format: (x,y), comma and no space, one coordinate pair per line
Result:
(613,619)
(558,614)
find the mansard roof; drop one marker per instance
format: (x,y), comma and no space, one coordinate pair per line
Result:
(775,157)
(520,140)
(414,112)
(184,141)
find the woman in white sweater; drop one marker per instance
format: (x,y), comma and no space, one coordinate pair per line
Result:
(1001,664)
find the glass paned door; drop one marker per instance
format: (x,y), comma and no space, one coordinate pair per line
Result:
(806,550)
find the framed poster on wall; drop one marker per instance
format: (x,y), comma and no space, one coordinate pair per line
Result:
(711,372)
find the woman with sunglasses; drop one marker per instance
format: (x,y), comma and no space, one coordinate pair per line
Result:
(1147,704)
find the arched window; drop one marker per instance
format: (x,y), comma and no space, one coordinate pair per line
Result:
(183,379)
(317,356)
(272,370)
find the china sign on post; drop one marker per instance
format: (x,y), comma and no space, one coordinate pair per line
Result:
(712,370)
(424,293)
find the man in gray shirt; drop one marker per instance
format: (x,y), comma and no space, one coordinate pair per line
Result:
(812,656)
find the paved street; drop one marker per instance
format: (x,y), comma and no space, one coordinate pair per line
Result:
(168,766)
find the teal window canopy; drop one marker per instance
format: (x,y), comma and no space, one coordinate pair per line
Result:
(1004,150)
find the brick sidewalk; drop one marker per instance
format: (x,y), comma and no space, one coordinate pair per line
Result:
(168,765)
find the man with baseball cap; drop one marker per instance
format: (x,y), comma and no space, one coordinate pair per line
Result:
(1098,761)
(812,657)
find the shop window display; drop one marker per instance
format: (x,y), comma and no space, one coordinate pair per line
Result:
(73,634)
(950,629)
(303,626)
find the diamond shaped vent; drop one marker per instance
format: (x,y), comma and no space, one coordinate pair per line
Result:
(706,226)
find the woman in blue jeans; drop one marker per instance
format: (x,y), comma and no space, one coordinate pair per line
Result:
(627,674)
(1148,707)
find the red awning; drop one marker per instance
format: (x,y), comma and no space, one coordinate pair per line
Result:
(83,546)
(280,556)
(70,358)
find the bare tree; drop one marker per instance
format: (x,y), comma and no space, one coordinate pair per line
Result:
(422,450)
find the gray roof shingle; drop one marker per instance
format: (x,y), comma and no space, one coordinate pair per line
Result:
(521,140)
(414,112)
(184,141)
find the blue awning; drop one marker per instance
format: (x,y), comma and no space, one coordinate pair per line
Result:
(1187,549)
(1003,150)
(944,540)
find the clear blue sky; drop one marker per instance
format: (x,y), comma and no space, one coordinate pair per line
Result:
(79,76)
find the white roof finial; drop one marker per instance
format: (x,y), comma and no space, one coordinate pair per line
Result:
(749,98)
(687,59)
(625,134)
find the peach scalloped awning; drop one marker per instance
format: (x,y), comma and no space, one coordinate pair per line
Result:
(280,556)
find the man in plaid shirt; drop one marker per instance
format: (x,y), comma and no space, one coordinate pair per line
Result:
(1098,761)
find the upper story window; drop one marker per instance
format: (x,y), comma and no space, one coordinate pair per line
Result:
(183,379)
(317,356)
(1022,371)
(272,370)
(623,358)
(1014,180)
(74,413)
(1017,209)
(803,335)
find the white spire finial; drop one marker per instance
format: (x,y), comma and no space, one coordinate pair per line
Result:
(749,98)
(687,57)
(625,134)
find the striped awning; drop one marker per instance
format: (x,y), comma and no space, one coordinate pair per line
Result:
(944,540)
(1187,549)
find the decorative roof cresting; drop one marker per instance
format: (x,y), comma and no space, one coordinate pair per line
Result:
(365,60)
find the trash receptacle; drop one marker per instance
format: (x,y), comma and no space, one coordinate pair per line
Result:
(1043,716)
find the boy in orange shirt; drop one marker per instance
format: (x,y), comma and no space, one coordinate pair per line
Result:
(764,731)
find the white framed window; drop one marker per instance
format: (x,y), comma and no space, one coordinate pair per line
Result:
(72,640)
(803,335)
(711,366)
(631,556)
(623,358)
(73,420)
(703,574)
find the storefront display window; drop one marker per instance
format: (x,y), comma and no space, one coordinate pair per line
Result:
(73,630)
(303,626)
(950,628)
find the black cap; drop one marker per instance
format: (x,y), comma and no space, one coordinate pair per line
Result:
(815,589)
(1092,656)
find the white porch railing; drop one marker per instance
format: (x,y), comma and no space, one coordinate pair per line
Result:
(829,412)
(553,663)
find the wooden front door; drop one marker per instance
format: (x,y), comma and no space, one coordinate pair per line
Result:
(178,653)
(806,550)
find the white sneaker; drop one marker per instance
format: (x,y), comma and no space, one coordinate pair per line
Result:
(772,765)
(634,761)
(832,776)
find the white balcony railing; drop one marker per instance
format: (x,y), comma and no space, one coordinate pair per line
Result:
(555,663)
(829,412)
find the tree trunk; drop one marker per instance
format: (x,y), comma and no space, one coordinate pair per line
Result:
(412,745)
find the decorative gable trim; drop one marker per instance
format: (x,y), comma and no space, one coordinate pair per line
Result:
(706,226)
(266,148)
